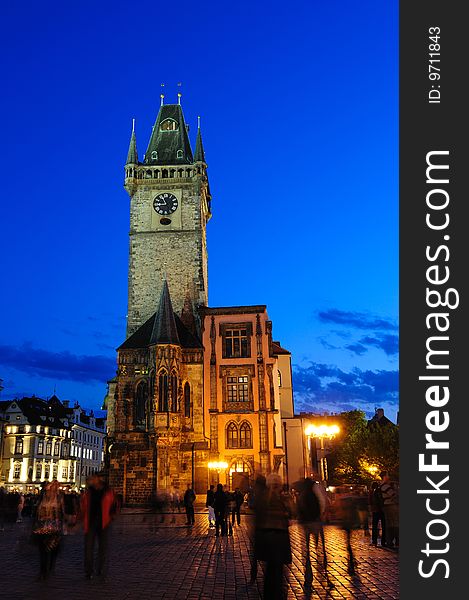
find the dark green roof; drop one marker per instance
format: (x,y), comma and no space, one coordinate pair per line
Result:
(167,143)
(199,148)
(132,155)
(164,327)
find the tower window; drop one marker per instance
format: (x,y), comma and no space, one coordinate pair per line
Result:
(187,400)
(179,154)
(140,403)
(154,155)
(174,392)
(163,392)
(169,125)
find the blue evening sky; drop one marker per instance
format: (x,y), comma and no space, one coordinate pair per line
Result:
(299,109)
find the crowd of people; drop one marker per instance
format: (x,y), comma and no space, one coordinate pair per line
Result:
(55,512)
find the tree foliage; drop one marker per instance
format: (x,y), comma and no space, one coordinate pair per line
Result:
(363,451)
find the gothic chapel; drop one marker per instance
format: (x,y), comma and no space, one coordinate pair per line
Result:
(199,392)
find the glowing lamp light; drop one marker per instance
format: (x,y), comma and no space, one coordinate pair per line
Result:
(219,466)
(322,431)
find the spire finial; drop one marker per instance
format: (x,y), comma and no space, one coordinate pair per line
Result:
(162,94)
(133,125)
(179,92)
(198,122)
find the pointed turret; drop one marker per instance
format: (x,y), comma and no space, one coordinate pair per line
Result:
(164,327)
(199,147)
(169,142)
(132,155)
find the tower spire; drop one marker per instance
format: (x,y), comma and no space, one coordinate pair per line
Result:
(199,147)
(132,155)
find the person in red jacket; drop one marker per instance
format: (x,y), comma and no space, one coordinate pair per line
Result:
(98,508)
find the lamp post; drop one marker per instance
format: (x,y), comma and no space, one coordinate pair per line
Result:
(320,432)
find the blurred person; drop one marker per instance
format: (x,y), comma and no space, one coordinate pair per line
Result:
(98,507)
(220,504)
(3,507)
(311,504)
(375,500)
(273,538)
(238,498)
(48,528)
(257,500)
(350,520)
(19,508)
(209,504)
(189,499)
(390,509)
(362,507)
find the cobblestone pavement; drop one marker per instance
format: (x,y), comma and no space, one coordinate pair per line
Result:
(153,560)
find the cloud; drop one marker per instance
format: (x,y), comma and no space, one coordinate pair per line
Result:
(58,365)
(386,342)
(321,387)
(357,320)
(357,348)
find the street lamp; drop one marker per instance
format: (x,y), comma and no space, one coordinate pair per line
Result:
(321,432)
(218,466)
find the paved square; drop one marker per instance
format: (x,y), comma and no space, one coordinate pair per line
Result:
(151,560)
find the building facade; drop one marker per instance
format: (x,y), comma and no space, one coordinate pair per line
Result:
(195,386)
(45,440)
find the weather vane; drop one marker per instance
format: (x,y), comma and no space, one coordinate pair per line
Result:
(179,92)
(162,94)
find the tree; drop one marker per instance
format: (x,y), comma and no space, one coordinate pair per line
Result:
(364,450)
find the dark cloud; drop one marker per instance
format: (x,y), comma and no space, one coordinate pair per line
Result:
(357,320)
(57,365)
(357,348)
(386,342)
(326,387)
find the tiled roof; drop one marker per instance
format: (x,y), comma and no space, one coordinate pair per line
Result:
(166,143)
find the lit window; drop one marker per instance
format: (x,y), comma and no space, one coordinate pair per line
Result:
(238,389)
(17,471)
(49,447)
(40,447)
(38,471)
(19,446)
(56,449)
(64,472)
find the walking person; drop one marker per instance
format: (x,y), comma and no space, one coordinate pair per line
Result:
(350,520)
(19,508)
(220,503)
(98,508)
(257,501)
(209,504)
(311,506)
(238,498)
(375,500)
(48,528)
(390,509)
(272,515)
(189,499)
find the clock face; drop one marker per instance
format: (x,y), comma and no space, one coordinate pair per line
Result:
(165,203)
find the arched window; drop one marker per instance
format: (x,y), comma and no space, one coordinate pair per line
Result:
(245,435)
(179,154)
(174,392)
(232,436)
(154,155)
(163,392)
(187,400)
(141,396)
(169,125)
(279,375)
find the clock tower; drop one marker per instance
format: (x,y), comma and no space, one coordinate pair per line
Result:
(170,205)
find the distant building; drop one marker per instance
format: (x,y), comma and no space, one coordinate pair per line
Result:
(380,419)
(45,440)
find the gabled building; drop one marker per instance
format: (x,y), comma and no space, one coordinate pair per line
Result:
(199,391)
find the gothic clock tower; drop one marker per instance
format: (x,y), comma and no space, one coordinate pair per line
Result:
(169,209)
